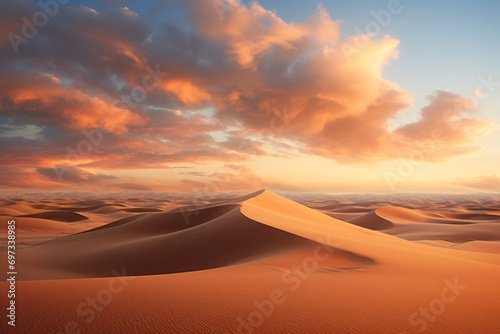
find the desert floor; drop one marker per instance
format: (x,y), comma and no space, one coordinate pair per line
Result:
(261,263)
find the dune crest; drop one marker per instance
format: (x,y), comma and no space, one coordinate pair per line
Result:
(181,241)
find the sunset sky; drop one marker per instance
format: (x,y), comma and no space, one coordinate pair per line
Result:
(203,95)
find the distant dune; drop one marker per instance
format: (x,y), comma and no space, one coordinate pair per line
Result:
(58,216)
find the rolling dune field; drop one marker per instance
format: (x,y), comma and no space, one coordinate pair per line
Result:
(260,263)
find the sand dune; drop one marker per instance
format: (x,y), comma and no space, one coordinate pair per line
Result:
(9,212)
(372,221)
(37,225)
(214,237)
(76,208)
(480,246)
(401,215)
(58,216)
(449,232)
(442,226)
(224,256)
(31,231)
(251,228)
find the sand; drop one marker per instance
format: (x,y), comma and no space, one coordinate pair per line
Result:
(260,263)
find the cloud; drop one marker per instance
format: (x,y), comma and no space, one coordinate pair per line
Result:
(187,92)
(21,177)
(247,31)
(445,126)
(155,93)
(340,104)
(485,183)
(133,186)
(71,174)
(245,145)
(43,98)
(239,178)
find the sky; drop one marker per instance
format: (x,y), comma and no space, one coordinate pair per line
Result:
(225,95)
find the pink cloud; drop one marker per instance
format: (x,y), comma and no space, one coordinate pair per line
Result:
(46,98)
(485,183)
(340,104)
(243,85)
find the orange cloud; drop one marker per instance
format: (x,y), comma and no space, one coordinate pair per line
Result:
(276,88)
(445,128)
(485,183)
(248,31)
(338,104)
(45,97)
(186,91)
(22,177)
